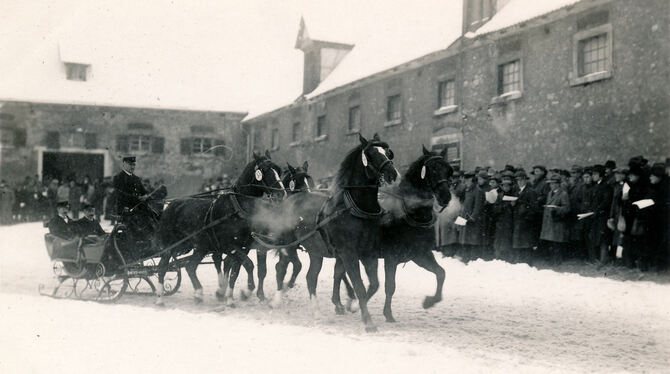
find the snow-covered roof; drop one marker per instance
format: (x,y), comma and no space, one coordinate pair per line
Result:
(384,35)
(517,11)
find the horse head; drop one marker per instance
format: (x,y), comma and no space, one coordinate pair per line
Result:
(376,160)
(431,174)
(297,179)
(260,176)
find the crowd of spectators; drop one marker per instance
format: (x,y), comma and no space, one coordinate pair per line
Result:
(600,214)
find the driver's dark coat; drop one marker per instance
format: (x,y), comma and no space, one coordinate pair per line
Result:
(128,189)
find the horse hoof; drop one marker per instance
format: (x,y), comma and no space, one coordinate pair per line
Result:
(339,310)
(197,296)
(370,328)
(261,296)
(159,302)
(429,302)
(290,284)
(220,296)
(244,295)
(352,305)
(276,300)
(230,303)
(390,319)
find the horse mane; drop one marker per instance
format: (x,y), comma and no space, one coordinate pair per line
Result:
(346,172)
(247,172)
(412,179)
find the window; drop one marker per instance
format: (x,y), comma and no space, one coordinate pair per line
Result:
(393,108)
(453,155)
(76,72)
(321,126)
(201,145)
(20,137)
(158,145)
(446,93)
(139,143)
(275,138)
(13,137)
(592,55)
(53,139)
(354,119)
(509,77)
(296,134)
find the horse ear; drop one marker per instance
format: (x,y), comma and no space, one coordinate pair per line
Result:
(362,139)
(267,154)
(256,155)
(425,151)
(375,137)
(444,153)
(291,169)
(305,165)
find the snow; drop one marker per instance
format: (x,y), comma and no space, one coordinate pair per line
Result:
(495,317)
(517,11)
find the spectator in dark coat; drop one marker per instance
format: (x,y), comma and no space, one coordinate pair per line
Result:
(554,224)
(609,178)
(634,231)
(580,202)
(503,216)
(600,206)
(615,221)
(471,235)
(658,222)
(525,219)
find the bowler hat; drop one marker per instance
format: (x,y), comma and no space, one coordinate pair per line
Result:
(469,174)
(520,175)
(610,164)
(62,204)
(599,169)
(555,178)
(658,169)
(483,174)
(85,206)
(544,169)
(129,159)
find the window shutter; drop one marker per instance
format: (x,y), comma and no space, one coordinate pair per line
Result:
(500,79)
(20,136)
(219,151)
(185,146)
(53,140)
(90,140)
(158,145)
(122,143)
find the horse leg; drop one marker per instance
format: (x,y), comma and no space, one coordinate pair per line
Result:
(297,266)
(223,282)
(338,275)
(370,265)
(231,269)
(240,258)
(162,269)
(352,302)
(315,264)
(350,262)
(191,266)
(280,269)
(390,267)
(261,259)
(427,261)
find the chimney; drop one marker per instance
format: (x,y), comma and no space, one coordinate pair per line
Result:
(477,12)
(321,58)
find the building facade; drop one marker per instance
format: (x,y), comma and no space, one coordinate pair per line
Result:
(576,85)
(181,147)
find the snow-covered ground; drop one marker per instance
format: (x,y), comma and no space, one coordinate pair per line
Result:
(495,317)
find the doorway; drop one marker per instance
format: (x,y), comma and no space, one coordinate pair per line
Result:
(66,165)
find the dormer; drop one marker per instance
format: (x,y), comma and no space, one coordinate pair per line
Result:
(321,58)
(74,61)
(477,12)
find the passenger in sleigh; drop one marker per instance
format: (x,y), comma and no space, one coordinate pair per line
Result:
(88,225)
(61,225)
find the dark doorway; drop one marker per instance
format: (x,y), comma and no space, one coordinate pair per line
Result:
(72,165)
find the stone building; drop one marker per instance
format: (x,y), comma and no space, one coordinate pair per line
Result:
(516,81)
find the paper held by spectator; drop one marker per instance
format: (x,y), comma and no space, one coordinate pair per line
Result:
(584,215)
(625,189)
(491,196)
(551,206)
(460,221)
(645,203)
(510,198)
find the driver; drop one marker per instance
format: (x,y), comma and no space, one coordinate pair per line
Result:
(131,194)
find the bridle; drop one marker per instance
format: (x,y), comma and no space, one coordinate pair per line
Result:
(432,183)
(370,167)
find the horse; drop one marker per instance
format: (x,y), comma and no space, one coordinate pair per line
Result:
(296,180)
(347,221)
(204,224)
(408,234)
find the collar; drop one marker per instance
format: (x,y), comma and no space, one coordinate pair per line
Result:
(522,188)
(127,172)
(65,217)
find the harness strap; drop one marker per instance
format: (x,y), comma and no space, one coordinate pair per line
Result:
(358,212)
(414,223)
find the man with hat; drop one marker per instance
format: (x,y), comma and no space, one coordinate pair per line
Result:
(88,225)
(600,206)
(472,234)
(61,225)
(129,188)
(615,220)
(657,234)
(524,236)
(502,218)
(554,224)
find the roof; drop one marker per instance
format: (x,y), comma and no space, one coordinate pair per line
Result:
(517,11)
(150,54)
(385,35)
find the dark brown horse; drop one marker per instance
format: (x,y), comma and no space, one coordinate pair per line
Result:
(347,221)
(407,233)
(226,217)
